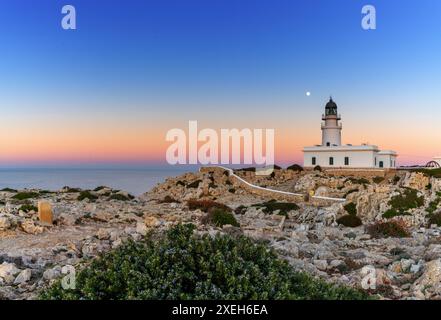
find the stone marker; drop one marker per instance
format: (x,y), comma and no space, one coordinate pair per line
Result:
(45,212)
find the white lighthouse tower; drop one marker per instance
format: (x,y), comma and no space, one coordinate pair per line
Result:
(331,129)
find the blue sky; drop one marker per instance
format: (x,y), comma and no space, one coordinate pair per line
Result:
(162,63)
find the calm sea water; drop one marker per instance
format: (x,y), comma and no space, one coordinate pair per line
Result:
(135,181)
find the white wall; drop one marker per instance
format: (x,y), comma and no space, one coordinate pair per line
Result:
(389,161)
(357,159)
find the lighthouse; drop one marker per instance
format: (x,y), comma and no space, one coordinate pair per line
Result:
(332,154)
(331,128)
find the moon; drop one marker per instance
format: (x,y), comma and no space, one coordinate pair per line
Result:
(308,93)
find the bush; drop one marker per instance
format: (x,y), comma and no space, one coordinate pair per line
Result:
(219,217)
(318,168)
(378,179)
(180,265)
(28,208)
(121,197)
(99,188)
(394,229)
(391,213)
(9,190)
(406,200)
(194,184)
(169,199)
(251,169)
(436,173)
(295,167)
(396,179)
(86,195)
(435,219)
(270,206)
(351,208)
(25,195)
(206,205)
(350,220)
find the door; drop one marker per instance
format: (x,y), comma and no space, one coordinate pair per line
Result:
(381,164)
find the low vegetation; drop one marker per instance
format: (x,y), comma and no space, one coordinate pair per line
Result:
(317,168)
(295,167)
(181,265)
(270,206)
(349,220)
(206,205)
(220,217)
(169,199)
(349,192)
(406,200)
(378,179)
(435,218)
(436,173)
(25,195)
(86,194)
(121,197)
(8,190)
(351,208)
(388,229)
(362,181)
(194,184)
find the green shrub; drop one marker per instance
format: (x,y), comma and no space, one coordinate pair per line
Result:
(295,167)
(232,190)
(406,200)
(351,208)
(180,183)
(435,219)
(350,220)
(25,195)
(276,167)
(391,213)
(9,190)
(180,265)
(28,208)
(396,179)
(99,188)
(318,168)
(194,184)
(378,179)
(394,229)
(86,195)
(121,197)
(206,205)
(219,217)
(270,206)
(433,205)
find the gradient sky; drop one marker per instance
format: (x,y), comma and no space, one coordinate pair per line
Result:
(109,91)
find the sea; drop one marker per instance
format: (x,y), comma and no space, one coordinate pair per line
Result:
(133,180)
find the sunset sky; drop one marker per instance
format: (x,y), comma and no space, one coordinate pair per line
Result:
(107,92)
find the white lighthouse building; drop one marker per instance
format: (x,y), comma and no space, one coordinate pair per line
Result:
(331,153)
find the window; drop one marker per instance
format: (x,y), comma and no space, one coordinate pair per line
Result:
(314,161)
(375,161)
(331,161)
(381,164)
(346,161)
(328,144)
